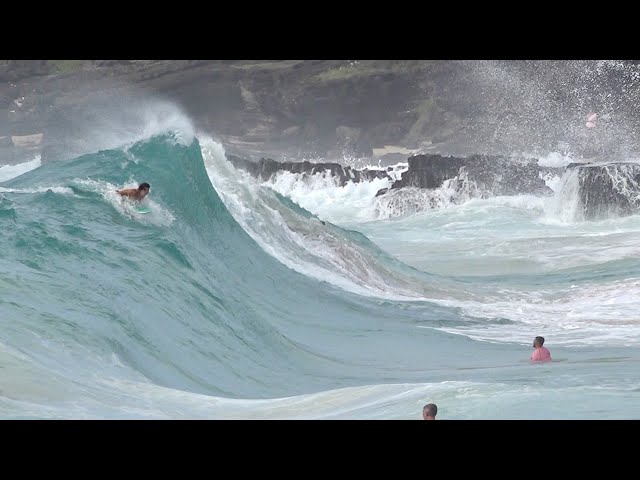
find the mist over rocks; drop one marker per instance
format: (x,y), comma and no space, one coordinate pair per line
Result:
(332,110)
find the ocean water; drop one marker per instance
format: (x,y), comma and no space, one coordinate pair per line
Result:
(299,299)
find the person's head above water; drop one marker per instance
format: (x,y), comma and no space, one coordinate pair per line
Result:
(538,342)
(429,411)
(144,188)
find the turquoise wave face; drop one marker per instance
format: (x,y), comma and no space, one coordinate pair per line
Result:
(181,297)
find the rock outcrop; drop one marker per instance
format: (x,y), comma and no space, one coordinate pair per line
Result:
(498,175)
(266,168)
(599,190)
(606,189)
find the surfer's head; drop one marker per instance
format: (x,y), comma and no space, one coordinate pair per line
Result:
(538,342)
(144,188)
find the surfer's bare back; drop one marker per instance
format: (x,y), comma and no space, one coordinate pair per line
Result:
(135,193)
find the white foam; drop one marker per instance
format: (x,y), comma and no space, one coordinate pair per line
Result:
(591,314)
(394,171)
(551,180)
(8,172)
(159,215)
(321,195)
(117,398)
(522,202)
(54,189)
(525,239)
(304,245)
(386,401)
(555,160)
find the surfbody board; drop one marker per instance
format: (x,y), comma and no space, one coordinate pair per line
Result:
(142,209)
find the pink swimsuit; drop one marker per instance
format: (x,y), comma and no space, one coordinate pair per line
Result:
(541,354)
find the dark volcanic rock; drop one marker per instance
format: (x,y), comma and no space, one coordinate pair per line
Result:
(496,175)
(608,190)
(266,168)
(429,171)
